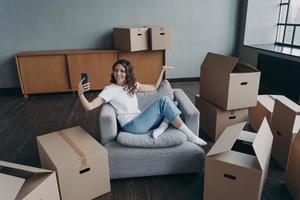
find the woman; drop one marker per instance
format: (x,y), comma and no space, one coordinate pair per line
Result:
(121,94)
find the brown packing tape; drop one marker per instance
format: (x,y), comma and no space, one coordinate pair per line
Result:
(75,148)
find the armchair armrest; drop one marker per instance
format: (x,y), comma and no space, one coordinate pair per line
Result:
(190,112)
(108,124)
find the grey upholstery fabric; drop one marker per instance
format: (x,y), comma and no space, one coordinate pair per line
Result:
(146,98)
(108,124)
(171,137)
(190,113)
(127,162)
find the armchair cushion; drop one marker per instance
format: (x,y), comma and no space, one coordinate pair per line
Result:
(171,137)
(146,98)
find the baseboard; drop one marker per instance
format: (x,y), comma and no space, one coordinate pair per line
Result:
(184,79)
(10,91)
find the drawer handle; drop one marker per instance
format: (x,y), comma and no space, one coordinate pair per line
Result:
(139,34)
(162,33)
(84,170)
(244,83)
(230,176)
(278,133)
(232,117)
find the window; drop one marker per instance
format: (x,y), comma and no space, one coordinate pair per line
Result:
(288,29)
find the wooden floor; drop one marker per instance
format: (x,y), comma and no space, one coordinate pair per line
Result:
(22,119)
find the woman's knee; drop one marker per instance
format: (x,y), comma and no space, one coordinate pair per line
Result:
(165,99)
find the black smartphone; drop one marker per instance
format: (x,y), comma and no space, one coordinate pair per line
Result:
(85,77)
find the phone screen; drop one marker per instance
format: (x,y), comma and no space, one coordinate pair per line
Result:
(85,77)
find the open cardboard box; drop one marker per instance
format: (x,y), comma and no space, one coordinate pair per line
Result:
(292,173)
(27,183)
(131,38)
(236,166)
(263,108)
(80,162)
(285,126)
(227,83)
(213,120)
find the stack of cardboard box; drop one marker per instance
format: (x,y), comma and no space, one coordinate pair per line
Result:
(227,89)
(284,117)
(142,38)
(237,164)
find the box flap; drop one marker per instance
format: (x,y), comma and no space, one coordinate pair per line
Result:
(247,136)
(296,127)
(31,184)
(244,68)
(263,143)
(267,101)
(289,103)
(10,186)
(227,139)
(273,96)
(219,63)
(23,167)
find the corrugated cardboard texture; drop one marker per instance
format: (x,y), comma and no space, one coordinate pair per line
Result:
(131,39)
(227,83)
(292,173)
(285,121)
(230,174)
(263,108)
(213,120)
(160,38)
(77,179)
(27,183)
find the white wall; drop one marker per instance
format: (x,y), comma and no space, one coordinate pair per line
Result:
(198,26)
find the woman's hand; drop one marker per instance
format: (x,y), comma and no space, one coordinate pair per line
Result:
(165,67)
(83,87)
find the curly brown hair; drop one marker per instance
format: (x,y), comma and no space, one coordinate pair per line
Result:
(130,76)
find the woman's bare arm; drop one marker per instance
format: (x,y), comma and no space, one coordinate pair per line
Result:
(85,103)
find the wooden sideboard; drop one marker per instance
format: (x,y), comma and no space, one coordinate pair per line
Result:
(59,71)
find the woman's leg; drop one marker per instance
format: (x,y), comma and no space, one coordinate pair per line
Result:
(178,123)
(162,127)
(152,116)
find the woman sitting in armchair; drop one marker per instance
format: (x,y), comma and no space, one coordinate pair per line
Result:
(121,94)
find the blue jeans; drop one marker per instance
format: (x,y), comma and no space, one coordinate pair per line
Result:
(152,116)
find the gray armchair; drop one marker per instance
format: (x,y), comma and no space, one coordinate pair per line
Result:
(126,161)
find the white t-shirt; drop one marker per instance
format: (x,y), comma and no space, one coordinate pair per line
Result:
(126,105)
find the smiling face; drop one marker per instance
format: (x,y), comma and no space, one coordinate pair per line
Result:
(120,74)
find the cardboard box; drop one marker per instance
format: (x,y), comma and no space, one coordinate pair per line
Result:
(292,173)
(263,108)
(213,120)
(236,166)
(160,38)
(80,162)
(131,39)
(227,83)
(27,183)
(285,126)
